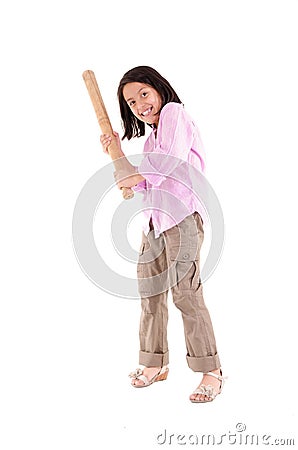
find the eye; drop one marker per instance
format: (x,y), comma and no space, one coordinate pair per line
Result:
(131,103)
(144,94)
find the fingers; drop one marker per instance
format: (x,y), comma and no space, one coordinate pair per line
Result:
(105,140)
(117,138)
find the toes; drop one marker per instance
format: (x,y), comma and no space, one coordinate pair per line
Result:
(200,398)
(137,382)
(196,397)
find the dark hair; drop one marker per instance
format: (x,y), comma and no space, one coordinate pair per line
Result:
(133,127)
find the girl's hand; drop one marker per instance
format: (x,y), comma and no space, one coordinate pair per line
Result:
(106,140)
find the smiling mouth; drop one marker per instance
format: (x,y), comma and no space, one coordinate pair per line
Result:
(146,112)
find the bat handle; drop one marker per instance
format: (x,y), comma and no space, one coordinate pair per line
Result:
(127,193)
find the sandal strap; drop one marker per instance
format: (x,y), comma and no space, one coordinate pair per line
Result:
(143,378)
(206,390)
(138,375)
(219,377)
(139,371)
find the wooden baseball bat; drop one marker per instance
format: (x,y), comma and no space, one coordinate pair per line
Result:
(106,128)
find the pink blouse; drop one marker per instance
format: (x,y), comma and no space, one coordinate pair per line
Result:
(170,164)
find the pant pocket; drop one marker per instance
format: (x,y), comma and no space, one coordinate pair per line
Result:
(185,270)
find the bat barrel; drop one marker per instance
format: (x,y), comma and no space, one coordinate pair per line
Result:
(105,125)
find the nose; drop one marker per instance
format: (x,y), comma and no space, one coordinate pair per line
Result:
(140,105)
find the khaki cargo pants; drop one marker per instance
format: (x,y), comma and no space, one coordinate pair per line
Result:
(172,261)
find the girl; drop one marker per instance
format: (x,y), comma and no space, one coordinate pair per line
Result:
(172,229)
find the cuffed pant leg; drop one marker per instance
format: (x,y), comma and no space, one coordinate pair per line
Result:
(153,359)
(187,294)
(153,291)
(153,331)
(204,363)
(198,331)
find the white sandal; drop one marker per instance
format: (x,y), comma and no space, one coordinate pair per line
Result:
(138,375)
(208,391)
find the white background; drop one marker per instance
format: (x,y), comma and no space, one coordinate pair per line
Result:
(66,346)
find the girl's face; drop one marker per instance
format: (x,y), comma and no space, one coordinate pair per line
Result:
(144,101)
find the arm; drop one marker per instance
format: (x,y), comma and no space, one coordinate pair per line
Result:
(127,175)
(131,181)
(174,139)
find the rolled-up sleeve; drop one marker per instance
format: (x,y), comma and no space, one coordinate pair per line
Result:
(173,143)
(141,186)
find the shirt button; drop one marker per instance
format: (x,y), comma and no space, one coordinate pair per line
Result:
(185,256)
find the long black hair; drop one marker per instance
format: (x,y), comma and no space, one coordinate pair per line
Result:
(133,127)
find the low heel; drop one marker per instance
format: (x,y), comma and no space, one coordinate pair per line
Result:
(163,376)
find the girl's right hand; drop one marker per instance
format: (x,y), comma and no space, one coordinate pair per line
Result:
(106,140)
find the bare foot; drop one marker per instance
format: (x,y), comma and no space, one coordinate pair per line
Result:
(208,380)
